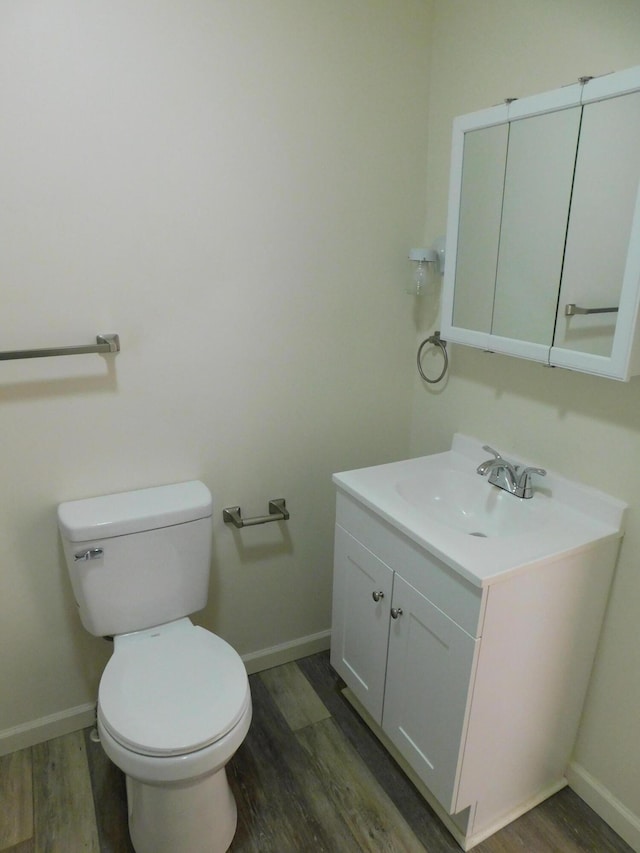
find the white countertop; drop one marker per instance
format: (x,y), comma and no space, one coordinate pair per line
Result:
(439,501)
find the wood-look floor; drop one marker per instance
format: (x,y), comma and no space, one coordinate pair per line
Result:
(310,776)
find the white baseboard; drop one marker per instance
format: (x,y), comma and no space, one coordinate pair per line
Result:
(64,722)
(45,728)
(286,652)
(602,801)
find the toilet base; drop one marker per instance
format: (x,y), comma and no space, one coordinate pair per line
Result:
(198,816)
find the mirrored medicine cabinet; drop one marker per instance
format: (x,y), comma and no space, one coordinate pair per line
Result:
(543,231)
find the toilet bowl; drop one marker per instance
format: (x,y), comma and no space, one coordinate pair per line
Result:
(174,702)
(173,707)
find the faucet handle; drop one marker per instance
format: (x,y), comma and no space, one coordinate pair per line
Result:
(526,471)
(491,450)
(524,488)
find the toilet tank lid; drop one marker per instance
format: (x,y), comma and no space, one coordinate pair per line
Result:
(133,512)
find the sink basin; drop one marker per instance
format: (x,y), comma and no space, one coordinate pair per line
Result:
(481,531)
(465,503)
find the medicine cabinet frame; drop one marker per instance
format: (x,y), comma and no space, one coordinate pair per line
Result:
(477,246)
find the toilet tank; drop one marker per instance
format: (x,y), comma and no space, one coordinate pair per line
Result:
(138,559)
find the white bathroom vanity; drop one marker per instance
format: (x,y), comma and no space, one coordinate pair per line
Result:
(465,625)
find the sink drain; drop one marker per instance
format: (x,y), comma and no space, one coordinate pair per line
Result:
(477,533)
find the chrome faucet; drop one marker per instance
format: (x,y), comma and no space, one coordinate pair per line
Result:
(515,479)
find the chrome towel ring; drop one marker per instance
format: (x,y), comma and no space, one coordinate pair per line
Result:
(436,340)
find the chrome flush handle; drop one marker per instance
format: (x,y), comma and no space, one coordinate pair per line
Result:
(90,554)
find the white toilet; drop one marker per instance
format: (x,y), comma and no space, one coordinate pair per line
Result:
(174,702)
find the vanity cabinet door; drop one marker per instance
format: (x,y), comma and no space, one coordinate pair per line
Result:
(429,678)
(362,590)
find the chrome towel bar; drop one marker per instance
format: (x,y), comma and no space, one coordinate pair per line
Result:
(570,309)
(277,512)
(104,343)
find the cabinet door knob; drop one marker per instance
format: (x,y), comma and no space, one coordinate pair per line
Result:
(377,595)
(395,612)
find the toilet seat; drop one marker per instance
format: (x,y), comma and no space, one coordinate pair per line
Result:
(172,690)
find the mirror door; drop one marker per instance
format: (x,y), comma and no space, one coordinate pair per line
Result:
(537,194)
(600,231)
(485,157)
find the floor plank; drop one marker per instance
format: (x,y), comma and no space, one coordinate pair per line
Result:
(354,792)
(298,702)
(63,803)
(282,808)
(16,799)
(110,799)
(27,846)
(564,823)
(310,776)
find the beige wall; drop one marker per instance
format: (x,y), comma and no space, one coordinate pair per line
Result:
(232,187)
(586,428)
